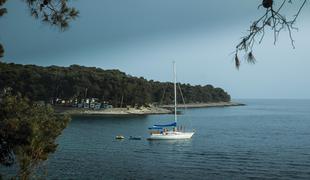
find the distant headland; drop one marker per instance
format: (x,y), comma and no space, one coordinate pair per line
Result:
(90,90)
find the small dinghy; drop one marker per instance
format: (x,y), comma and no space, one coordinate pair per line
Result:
(119,137)
(135,138)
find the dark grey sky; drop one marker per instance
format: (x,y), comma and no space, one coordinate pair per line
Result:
(142,37)
(109,22)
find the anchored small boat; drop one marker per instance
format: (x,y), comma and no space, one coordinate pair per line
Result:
(170,131)
(135,138)
(119,137)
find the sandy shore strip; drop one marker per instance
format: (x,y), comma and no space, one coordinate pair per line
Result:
(113,111)
(165,109)
(205,105)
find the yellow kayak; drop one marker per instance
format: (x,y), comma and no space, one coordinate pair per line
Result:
(119,137)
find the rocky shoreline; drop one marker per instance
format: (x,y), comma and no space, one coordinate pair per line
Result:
(113,111)
(205,105)
(165,109)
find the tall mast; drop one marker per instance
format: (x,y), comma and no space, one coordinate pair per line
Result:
(175,92)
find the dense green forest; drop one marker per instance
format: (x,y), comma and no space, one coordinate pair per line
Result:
(77,82)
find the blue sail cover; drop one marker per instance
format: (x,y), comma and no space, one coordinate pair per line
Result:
(161,126)
(166,125)
(155,128)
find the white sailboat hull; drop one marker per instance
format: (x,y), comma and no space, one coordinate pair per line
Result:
(171,136)
(162,132)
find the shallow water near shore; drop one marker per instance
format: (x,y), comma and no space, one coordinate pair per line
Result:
(267,139)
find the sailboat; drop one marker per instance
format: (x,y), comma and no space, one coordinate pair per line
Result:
(170,131)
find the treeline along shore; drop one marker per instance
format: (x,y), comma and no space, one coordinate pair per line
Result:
(77,87)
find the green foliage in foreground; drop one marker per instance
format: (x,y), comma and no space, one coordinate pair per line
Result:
(27,133)
(47,83)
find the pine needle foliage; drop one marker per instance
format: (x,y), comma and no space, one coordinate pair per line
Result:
(28,133)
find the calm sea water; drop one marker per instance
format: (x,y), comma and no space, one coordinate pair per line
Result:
(267,139)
